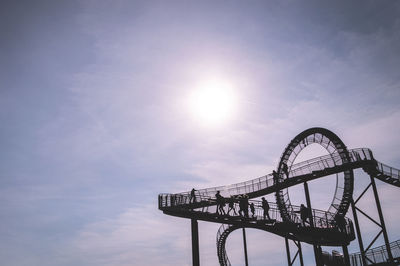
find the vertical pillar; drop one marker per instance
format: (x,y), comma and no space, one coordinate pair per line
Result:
(301,254)
(288,252)
(359,238)
(195,243)
(346,255)
(378,206)
(245,247)
(317,249)
(307,193)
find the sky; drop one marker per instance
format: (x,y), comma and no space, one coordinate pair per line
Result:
(97,117)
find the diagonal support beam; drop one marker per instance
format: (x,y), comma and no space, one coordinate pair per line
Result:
(366,215)
(373,241)
(378,206)
(298,254)
(380,224)
(362,194)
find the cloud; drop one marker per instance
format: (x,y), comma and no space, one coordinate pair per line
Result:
(140,236)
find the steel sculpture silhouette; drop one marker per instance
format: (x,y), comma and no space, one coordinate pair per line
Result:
(324,228)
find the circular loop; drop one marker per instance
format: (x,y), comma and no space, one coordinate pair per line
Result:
(334,145)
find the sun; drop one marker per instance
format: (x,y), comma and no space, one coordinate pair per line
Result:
(213,102)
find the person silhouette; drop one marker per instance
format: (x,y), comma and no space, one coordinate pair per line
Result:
(231,205)
(304,211)
(252,209)
(246,206)
(340,223)
(276,176)
(192,196)
(265,207)
(220,203)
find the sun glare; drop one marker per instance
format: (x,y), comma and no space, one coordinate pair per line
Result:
(213,102)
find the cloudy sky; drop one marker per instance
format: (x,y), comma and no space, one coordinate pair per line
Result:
(99,114)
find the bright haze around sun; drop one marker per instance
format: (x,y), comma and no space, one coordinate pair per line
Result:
(212,102)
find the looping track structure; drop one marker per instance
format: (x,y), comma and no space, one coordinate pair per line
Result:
(284,218)
(334,146)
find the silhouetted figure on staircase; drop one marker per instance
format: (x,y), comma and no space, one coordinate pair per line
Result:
(220,203)
(246,206)
(231,205)
(340,223)
(192,196)
(304,214)
(275,174)
(265,207)
(252,209)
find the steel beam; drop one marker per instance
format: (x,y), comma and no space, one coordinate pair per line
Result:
(358,230)
(346,255)
(245,247)
(378,206)
(288,252)
(195,243)
(317,249)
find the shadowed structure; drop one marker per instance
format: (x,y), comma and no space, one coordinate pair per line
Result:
(296,223)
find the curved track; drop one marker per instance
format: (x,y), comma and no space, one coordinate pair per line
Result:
(285,220)
(333,145)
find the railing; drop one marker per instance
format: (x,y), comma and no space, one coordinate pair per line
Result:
(231,208)
(377,255)
(302,168)
(388,171)
(186,201)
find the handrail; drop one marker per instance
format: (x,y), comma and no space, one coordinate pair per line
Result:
(306,167)
(321,219)
(373,256)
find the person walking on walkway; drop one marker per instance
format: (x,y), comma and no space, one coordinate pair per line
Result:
(304,214)
(220,203)
(231,205)
(252,209)
(340,223)
(265,207)
(276,176)
(246,206)
(192,196)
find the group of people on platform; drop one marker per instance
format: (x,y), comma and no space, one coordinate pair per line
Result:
(338,221)
(244,206)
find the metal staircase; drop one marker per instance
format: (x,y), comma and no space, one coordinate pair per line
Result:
(285,223)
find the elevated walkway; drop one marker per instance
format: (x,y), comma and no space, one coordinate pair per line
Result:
(323,231)
(301,172)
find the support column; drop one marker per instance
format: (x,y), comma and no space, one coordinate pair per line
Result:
(195,243)
(308,200)
(317,249)
(245,247)
(288,252)
(346,255)
(300,254)
(359,238)
(378,206)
